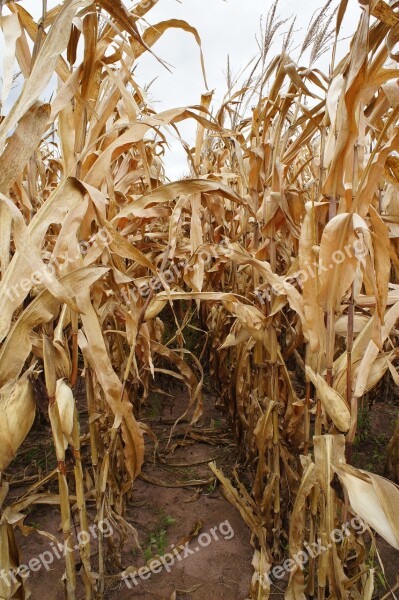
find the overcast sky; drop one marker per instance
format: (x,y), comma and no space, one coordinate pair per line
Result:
(226,27)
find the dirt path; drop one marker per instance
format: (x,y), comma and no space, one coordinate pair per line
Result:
(177,503)
(216,563)
(188,510)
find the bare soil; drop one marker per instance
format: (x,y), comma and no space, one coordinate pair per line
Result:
(164,516)
(176,501)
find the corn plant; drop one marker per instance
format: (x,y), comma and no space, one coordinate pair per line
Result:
(283,239)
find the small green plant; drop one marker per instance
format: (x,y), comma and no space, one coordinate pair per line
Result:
(156,544)
(363,425)
(380,583)
(157,538)
(168,520)
(211,488)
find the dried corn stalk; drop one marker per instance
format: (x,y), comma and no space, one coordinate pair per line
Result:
(284,238)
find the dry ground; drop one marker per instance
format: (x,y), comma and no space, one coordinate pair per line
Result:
(170,514)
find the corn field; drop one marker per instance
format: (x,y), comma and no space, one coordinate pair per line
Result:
(281,244)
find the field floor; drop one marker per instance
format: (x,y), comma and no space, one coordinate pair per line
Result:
(177,502)
(376,426)
(173,503)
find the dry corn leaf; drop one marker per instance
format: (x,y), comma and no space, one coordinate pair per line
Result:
(374,499)
(334,405)
(45,307)
(44,66)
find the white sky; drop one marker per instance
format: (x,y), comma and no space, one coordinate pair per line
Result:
(226,27)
